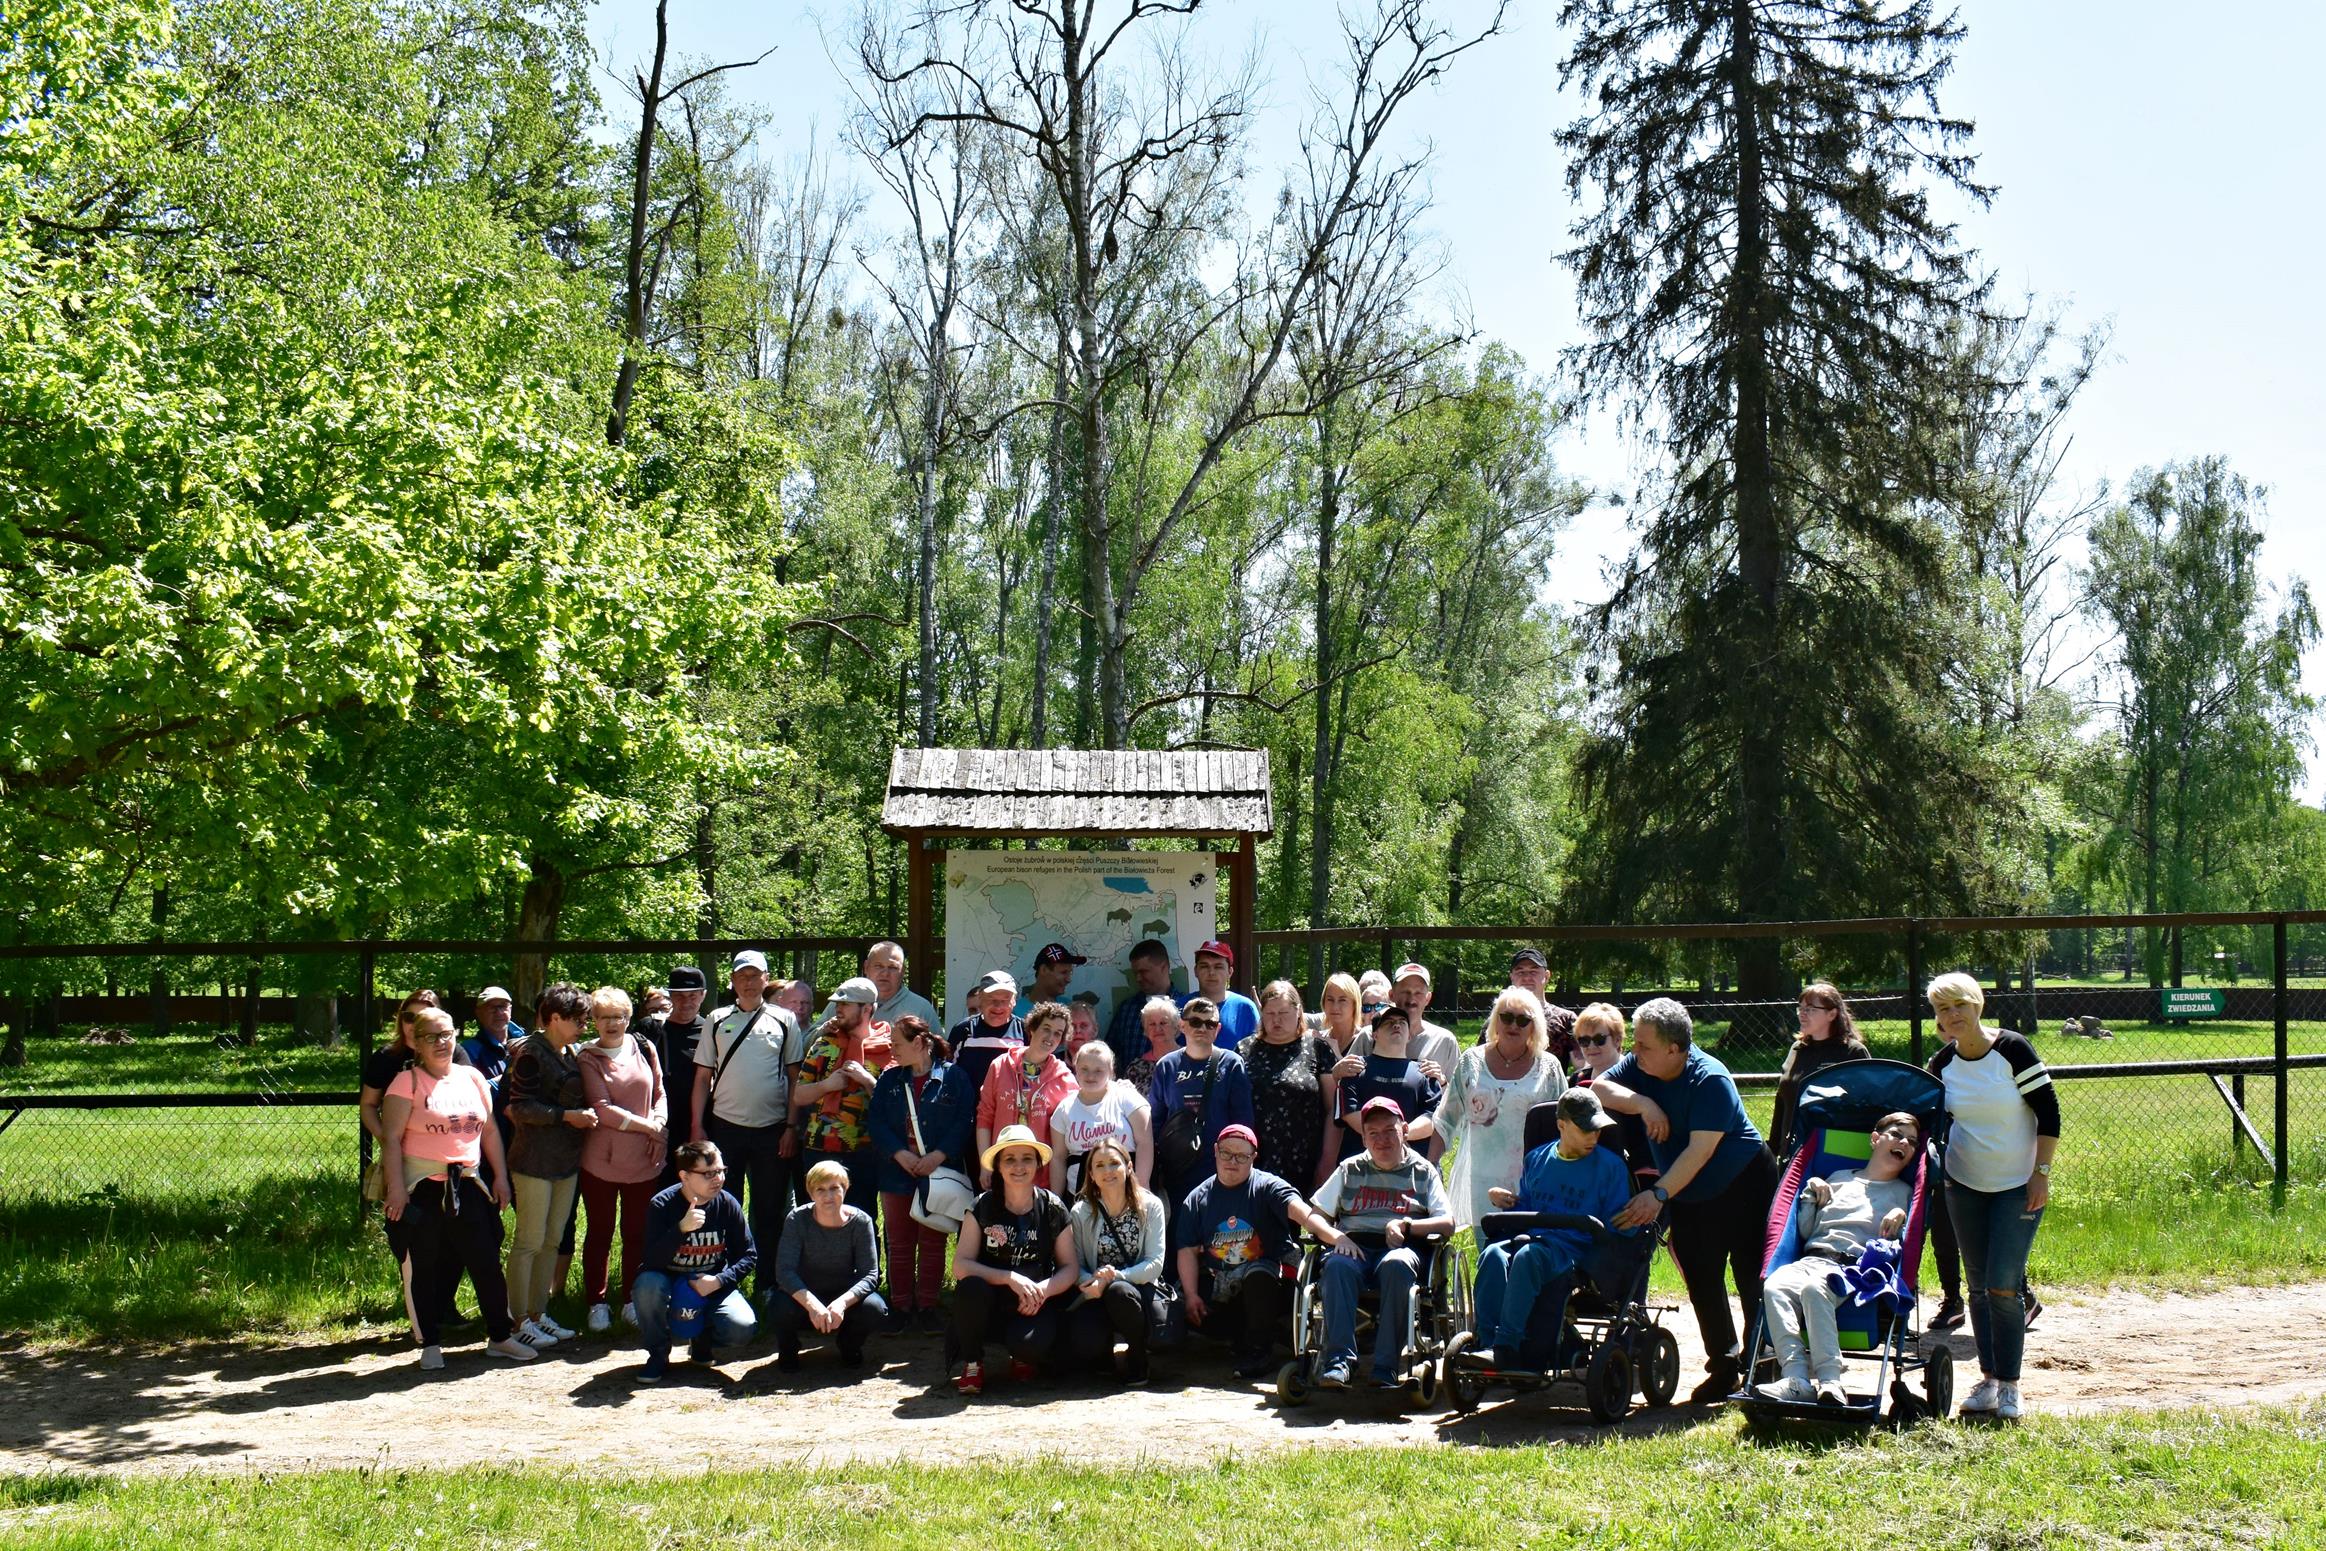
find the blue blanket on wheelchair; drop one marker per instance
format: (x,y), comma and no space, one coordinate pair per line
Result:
(1876,1279)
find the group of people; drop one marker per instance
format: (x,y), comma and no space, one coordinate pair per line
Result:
(1090,1194)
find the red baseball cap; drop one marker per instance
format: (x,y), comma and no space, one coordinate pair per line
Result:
(1381,1101)
(1219,950)
(1241,1133)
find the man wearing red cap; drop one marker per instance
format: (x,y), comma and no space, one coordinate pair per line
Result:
(1381,1202)
(1235,1239)
(1239,1014)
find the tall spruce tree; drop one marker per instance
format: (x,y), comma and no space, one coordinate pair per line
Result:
(1764,280)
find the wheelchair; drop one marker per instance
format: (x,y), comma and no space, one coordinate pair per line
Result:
(1441,1311)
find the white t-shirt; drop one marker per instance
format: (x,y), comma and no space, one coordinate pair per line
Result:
(1077,1127)
(755,1089)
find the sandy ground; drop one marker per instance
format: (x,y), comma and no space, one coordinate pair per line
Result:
(366,1401)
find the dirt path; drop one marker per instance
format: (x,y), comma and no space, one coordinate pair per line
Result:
(363,1402)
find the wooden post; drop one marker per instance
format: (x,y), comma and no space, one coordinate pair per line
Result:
(1245,880)
(918,905)
(1914,992)
(2277,1192)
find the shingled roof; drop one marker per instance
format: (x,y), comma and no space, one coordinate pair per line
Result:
(1078,792)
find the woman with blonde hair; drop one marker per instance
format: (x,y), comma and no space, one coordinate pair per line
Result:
(1829,1036)
(1340,1014)
(621,1158)
(2002,1129)
(826,1271)
(1482,1113)
(1294,1091)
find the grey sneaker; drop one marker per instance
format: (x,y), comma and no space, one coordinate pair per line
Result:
(1984,1397)
(432,1357)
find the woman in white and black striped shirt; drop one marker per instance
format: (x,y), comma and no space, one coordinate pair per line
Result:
(2003,1118)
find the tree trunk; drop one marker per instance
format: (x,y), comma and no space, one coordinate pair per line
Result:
(14,1009)
(1763,870)
(707,867)
(158,989)
(537,918)
(316,1016)
(925,572)
(1054,499)
(1320,768)
(634,297)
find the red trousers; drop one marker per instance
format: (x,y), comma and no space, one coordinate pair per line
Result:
(916,1255)
(600,1200)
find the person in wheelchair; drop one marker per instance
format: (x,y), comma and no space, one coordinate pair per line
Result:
(1573,1175)
(1846,1211)
(1381,1203)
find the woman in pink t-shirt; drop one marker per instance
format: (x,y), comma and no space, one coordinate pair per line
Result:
(437,1126)
(621,1160)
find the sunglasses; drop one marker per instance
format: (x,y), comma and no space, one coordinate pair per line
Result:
(1595,1039)
(1373,1007)
(1203,1023)
(1514,1019)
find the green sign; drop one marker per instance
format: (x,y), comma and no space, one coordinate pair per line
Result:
(2192,1001)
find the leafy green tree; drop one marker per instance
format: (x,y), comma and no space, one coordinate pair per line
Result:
(2211,720)
(1764,281)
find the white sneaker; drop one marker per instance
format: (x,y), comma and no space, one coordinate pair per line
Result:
(515,1348)
(432,1357)
(601,1319)
(2007,1401)
(1792,1390)
(1983,1398)
(1830,1393)
(546,1322)
(630,1315)
(535,1334)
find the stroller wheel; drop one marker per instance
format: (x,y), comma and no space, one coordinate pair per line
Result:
(1938,1380)
(1464,1386)
(1607,1383)
(1292,1383)
(1656,1359)
(1422,1387)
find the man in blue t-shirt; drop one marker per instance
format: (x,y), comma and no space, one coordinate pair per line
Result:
(1573,1175)
(1239,1014)
(1717,1174)
(1233,1231)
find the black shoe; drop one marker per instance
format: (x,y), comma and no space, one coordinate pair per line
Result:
(1719,1383)
(1135,1376)
(700,1352)
(1949,1316)
(852,1359)
(930,1322)
(1258,1367)
(899,1321)
(788,1360)
(2030,1307)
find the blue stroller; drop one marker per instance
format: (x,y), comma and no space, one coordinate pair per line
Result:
(1606,1339)
(1839,1106)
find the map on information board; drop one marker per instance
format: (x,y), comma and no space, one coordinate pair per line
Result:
(1002,906)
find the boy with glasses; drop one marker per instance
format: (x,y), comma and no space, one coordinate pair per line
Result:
(1846,1211)
(698,1250)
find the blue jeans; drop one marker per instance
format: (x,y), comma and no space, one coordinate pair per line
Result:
(1995,1229)
(1393,1271)
(1511,1280)
(729,1322)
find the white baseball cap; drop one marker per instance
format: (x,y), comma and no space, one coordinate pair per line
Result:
(1404,970)
(749,958)
(494,994)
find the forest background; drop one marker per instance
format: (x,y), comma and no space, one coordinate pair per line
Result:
(468,477)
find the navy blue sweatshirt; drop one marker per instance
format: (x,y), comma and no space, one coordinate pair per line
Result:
(721,1247)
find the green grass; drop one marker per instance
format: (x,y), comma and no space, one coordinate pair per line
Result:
(2141,1481)
(187,1061)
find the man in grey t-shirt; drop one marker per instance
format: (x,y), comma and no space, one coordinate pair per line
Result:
(884,966)
(744,1065)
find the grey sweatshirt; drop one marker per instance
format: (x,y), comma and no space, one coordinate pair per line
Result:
(1844,1226)
(832,1263)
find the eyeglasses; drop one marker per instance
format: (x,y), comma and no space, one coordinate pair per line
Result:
(1903,1133)
(441,1038)
(1235,1157)
(708,1173)
(1818,1007)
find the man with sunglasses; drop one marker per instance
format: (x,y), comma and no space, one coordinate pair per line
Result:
(698,1250)
(1197,1091)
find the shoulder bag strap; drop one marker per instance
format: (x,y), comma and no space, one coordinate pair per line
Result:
(728,1055)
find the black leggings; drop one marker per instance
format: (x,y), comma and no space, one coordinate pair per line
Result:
(1092,1328)
(1256,1317)
(856,1326)
(983,1312)
(1725,1235)
(443,1239)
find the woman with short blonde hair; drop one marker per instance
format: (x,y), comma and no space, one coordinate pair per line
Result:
(622,1158)
(826,1272)
(1340,1013)
(2002,1128)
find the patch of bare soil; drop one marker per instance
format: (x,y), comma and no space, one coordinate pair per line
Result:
(361,1402)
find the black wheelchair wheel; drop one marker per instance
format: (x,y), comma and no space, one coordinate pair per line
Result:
(1292,1383)
(1464,1386)
(1655,1355)
(1938,1382)
(1607,1383)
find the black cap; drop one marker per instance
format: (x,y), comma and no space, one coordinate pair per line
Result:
(1084,999)
(1058,953)
(685,977)
(1532,956)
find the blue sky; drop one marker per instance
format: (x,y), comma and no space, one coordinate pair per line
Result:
(2155,170)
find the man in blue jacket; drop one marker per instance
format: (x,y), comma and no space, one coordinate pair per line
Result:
(698,1250)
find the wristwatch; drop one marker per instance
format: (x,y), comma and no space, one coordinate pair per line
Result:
(2044,1169)
(1660,1193)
